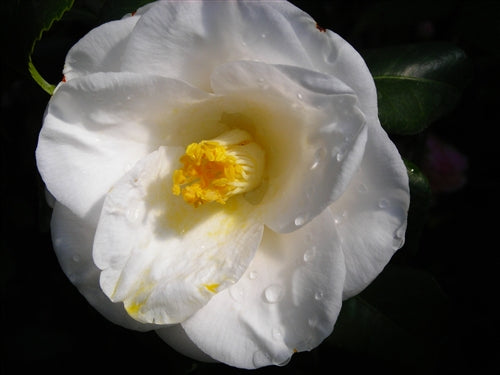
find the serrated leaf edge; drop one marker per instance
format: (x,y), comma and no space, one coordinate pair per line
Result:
(47,87)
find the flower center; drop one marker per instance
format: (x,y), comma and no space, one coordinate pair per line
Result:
(216,169)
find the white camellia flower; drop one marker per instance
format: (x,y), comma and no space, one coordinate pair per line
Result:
(220,175)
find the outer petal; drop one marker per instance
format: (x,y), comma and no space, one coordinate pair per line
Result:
(287,301)
(97,127)
(331,54)
(371,215)
(188,39)
(162,257)
(100,50)
(314,138)
(72,238)
(274,32)
(176,337)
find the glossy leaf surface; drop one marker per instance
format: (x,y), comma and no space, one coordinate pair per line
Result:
(417,83)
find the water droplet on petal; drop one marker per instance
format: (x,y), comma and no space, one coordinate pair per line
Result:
(276,333)
(132,214)
(261,82)
(310,254)
(76,258)
(300,220)
(383,203)
(331,55)
(263,35)
(135,213)
(261,359)
(400,232)
(397,243)
(340,156)
(299,96)
(252,275)
(237,293)
(273,293)
(318,296)
(319,155)
(338,218)
(285,362)
(399,239)
(312,322)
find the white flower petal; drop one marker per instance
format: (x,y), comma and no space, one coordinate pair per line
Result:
(287,301)
(331,54)
(164,258)
(188,39)
(72,238)
(98,126)
(314,137)
(274,32)
(371,215)
(176,337)
(100,50)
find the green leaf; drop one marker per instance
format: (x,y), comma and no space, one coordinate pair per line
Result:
(47,87)
(417,84)
(401,317)
(44,15)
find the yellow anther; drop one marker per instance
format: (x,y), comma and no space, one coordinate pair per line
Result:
(216,169)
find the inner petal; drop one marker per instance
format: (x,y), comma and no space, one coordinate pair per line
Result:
(161,257)
(310,126)
(215,170)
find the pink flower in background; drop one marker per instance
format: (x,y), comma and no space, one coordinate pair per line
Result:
(444,166)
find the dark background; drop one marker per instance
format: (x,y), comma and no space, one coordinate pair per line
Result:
(47,324)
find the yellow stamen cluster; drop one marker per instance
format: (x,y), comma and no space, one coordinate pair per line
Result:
(216,169)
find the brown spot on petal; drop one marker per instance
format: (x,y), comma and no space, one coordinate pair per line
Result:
(63,79)
(133,13)
(322,29)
